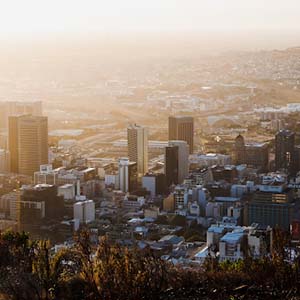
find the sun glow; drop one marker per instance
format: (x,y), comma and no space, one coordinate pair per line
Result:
(39,16)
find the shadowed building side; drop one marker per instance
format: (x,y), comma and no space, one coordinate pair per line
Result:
(285,150)
(182,128)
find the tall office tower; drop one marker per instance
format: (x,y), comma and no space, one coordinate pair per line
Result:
(127,175)
(271,205)
(137,137)
(183,159)
(28,143)
(240,150)
(297,158)
(284,150)
(182,128)
(171,165)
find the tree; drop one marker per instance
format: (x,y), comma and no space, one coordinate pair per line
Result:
(178,220)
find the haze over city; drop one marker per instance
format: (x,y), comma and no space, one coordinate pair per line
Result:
(35,16)
(149,149)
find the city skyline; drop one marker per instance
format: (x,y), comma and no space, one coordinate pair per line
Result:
(149,149)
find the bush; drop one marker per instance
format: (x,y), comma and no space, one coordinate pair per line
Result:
(29,271)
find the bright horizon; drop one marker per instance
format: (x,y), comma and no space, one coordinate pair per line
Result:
(19,17)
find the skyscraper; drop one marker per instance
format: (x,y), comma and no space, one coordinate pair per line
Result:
(137,137)
(270,205)
(171,165)
(28,143)
(240,150)
(183,159)
(284,150)
(182,128)
(127,175)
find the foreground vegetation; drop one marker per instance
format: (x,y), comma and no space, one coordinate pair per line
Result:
(29,271)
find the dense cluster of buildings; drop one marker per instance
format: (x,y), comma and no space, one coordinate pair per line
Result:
(189,206)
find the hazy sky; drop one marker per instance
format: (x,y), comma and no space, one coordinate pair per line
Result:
(40,16)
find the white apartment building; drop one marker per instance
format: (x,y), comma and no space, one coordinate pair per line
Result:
(84,211)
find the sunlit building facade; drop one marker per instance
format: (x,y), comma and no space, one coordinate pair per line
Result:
(137,137)
(182,128)
(28,143)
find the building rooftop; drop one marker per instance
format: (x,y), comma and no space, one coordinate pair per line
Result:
(285,132)
(233,237)
(37,187)
(203,253)
(173,239)
(66,186)
(216,229)
(256,144)
(182,117)
(88,170)
(134,126)
(226,199)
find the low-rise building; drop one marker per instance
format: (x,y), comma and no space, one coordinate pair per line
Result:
(67,191)
(133,203)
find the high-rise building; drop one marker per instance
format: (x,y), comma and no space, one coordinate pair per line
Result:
(272,205)
(154,183)
(28,143)
(137,137)
(284,150)
(171,165)
(240,149)
(127,175)
(183,159)
(297,158)
(182,128)
(252,154)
